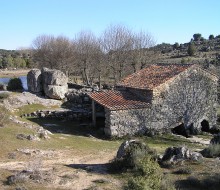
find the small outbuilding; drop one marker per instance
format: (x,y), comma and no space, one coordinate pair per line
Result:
(159,98)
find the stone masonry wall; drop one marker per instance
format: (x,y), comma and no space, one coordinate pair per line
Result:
(189,98)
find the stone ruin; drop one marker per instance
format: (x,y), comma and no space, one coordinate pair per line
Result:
(51,82)
(159,98)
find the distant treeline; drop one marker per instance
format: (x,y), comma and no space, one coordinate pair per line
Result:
(15,59)
(115,53)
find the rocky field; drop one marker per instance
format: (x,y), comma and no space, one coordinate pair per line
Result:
(35,156)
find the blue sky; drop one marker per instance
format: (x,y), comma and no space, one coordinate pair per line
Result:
(170,21)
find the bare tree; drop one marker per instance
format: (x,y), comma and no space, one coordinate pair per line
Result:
(117,52)
(116,43)
(140,53)
(88,55)
(53,52)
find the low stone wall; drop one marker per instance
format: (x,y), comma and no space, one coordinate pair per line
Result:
(68,115)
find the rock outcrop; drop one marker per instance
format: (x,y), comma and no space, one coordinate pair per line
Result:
(131,150)
(34,81)
(54,83)
(177,154)
(123,149)
(50,81)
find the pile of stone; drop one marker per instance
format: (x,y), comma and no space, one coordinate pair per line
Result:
(51,82)
(28,137)
(80,95)
(41,134)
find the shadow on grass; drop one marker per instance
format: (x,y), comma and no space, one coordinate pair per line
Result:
(210,182)
(80,128)
(93,168)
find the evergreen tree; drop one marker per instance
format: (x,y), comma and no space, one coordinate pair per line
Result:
(191,49)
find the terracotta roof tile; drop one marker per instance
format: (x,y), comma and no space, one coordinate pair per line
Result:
(118,100)
(152,76)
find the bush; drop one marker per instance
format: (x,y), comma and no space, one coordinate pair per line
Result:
(148,176)
(136,151)
(4,95)
(15,84)
(212,151)
(211,37)
(191,49)
(197,37)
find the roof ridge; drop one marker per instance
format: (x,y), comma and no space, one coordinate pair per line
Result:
(152,76)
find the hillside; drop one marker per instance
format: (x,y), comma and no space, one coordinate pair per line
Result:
(205,51)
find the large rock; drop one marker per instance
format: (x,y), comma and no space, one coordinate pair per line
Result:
(177,154)
(123,149)
(54,83)
(50,81)
(54,77)
(34,81)
(55,92)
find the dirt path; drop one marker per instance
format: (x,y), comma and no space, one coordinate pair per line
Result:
(69,170)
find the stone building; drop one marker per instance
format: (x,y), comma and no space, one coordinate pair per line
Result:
(159,98)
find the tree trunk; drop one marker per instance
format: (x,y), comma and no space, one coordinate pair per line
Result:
(86,77)
(134,67)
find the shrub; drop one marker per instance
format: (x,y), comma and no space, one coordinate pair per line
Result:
(148,176)
(197,37)
(4,95)
(212,151)
(176,45)
(211,37)
(136,151)
(183,61)
(15,84)
(191,49)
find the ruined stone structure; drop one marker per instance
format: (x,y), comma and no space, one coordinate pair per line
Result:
(159,98)
(52,82)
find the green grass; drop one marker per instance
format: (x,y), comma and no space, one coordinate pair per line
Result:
(30,108)
(75,139)
(160,143)
(10,143)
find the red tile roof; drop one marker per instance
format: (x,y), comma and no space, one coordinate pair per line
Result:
(152,76)
(118,100)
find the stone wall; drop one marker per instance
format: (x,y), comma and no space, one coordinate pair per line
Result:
(77,114)
(189,98)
